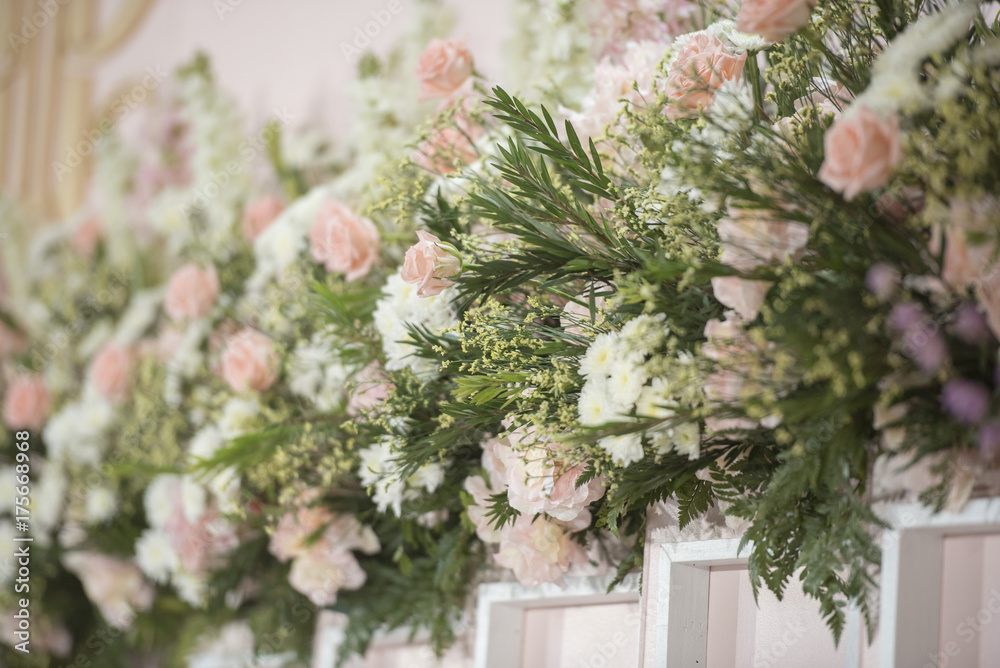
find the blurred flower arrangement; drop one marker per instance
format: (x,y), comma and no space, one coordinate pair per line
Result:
(737,255)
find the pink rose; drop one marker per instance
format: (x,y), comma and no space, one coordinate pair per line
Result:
(191,292)
(538,550)
(344,242)
(86,235)
(444,151)
(370,390)
(299,532)
(443,67)
(861,151)
(321,573)
(773,19)
(109,372)
(538,482)
(481,493)
(428,265)
(115,586)
(26,404)
(259,215)
(700,69)
(249,361)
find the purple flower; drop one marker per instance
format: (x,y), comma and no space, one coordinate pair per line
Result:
(989,439)
(906,316)
(967,400)
(928,350)
(970,325)
(882,280)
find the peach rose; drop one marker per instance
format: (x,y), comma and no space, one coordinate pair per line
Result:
(753,238)
(429,266)
(444,150)
(26,404)
(259,215)
(861,151)
(700,69)
(249,361)
(773,19)
(191,292)
(109,372)
(443,67)
(343,241)
(743,295)
(86,235)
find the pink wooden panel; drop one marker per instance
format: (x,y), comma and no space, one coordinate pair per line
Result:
(785,634)
(589,636)
(970,604)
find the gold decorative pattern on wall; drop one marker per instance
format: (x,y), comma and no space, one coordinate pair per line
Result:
(48,119)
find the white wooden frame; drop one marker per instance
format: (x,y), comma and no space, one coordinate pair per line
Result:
(680,620)
(912,560)
(501,606)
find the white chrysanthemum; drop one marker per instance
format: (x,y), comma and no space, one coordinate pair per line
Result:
(640,335)
(317,374)
(238,417)
(684,439)
(159,500)
(155,555)
(400,306)
(101,504)
(206,443)
(194,499)
(600,357)
(141,313)
(47,499)
(733,107)
(428,477)
(190,588)
(625,384)
(62,436)
(624,449)
(284,240)
(593,405)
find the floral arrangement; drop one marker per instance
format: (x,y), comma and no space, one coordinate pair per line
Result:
(737,255)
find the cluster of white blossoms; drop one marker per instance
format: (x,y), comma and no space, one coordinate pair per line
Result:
(316,372)
(400,307)
(380,473)
(77,434)
(897,77)
(620,387)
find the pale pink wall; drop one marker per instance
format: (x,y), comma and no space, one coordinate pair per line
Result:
(286,53)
